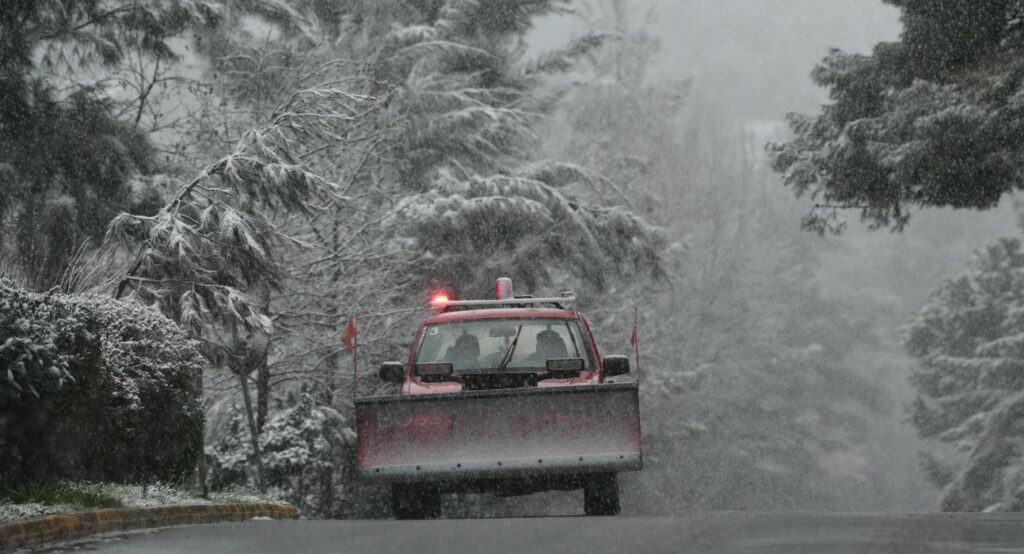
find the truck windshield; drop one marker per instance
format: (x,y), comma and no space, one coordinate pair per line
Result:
(484,344)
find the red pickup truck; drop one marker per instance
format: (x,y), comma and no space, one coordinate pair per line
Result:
(505,396)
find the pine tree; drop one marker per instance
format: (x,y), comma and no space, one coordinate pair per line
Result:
(927,121)
(66,160)
(481,200)
(969,340)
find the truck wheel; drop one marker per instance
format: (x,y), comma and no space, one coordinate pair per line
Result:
(601,495)
(415,501)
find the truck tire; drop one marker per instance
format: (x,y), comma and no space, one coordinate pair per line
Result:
(415,501)
(601,495)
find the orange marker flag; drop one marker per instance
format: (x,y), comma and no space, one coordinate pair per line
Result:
(348,334)
(634,340)
(632,332)
(350,342)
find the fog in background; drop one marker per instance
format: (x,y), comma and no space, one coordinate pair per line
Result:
(748,63)
(750,58)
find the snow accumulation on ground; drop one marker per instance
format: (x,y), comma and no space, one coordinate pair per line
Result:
(129,496)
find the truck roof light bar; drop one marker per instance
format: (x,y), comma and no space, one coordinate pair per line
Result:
(558,302)
(503,296)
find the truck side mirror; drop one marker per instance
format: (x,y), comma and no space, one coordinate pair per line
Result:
(615,365)
(392,372)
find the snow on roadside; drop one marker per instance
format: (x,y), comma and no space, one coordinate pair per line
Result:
(130,496)
(11,512)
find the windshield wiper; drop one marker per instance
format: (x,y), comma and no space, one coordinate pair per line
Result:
(511,348)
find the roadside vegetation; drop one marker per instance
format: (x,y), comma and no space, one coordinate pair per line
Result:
(96,389)
(54,497)
(60,494)
(195,194)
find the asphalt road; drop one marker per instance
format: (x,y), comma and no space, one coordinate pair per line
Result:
(790,533)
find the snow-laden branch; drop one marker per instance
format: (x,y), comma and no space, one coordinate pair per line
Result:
(205,254)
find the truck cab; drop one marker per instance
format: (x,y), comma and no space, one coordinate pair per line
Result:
(505,396)
(502,349)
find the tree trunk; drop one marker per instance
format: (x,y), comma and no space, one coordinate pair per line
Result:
(263,375)
(326,500)
(253,433)
(262,392)
(331,379)
(201,466)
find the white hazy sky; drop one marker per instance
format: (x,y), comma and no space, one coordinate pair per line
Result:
(753,57)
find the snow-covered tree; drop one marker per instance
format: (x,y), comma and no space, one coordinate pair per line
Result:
(302,440)
(207,258)
(67,153)
(484,199)
(930,120)
(969,341)
(202,255)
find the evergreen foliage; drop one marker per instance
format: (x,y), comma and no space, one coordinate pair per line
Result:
(202,254)
(66,160)
(302,441)
(509,222)
(931,120)
(968,340)
(65,171)
(94,389)
(482,202)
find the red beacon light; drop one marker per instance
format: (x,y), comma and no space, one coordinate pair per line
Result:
(439,300)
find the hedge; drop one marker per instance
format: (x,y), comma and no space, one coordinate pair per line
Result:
(95,389)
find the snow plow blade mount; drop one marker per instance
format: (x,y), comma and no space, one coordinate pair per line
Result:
(499,433)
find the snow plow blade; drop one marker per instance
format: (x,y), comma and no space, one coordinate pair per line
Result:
(499,433)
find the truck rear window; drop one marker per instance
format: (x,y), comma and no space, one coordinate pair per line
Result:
(485,344)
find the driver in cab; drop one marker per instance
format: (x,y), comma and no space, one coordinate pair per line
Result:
(465,353)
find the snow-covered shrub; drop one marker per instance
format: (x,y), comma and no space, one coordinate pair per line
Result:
(303,452)
(49,362)
(37,340)
(151,379)
(93,388)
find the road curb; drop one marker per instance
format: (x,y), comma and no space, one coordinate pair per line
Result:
(60,527)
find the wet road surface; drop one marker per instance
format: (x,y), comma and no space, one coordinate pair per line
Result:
(727,532)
